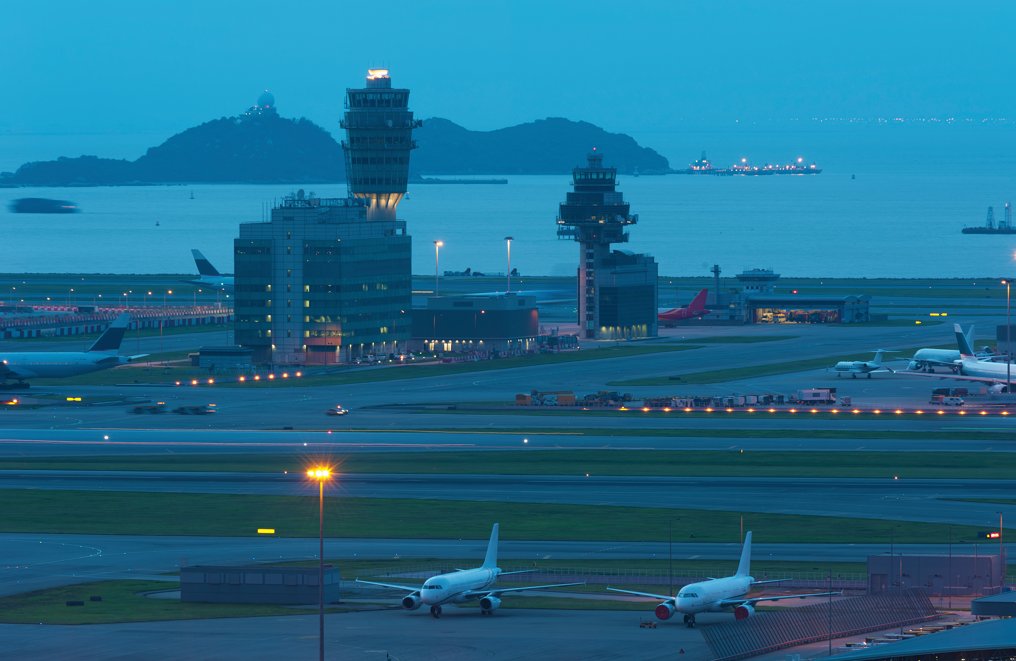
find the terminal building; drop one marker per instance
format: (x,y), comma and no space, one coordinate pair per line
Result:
(617,289)
(328,280)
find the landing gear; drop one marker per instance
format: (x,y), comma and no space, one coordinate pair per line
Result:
(435,611)
(853,376)
(484,611)
(689,620)
(869,375)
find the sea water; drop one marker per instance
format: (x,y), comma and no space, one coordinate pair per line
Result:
(890,203)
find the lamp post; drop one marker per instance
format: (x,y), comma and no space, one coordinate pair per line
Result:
(1001,550)
(437,248)
(509,240)
(321,474)
(1008,337)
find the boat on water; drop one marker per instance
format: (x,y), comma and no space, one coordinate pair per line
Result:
(1003,226)
(744,168)
(42,205)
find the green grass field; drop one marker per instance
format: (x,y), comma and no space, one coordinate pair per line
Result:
(659,463)
(127,513)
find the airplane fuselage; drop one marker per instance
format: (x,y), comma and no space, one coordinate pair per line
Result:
(971,366)
(451,588)
(55,364)
(708,596)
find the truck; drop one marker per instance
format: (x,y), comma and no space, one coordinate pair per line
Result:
(816,396)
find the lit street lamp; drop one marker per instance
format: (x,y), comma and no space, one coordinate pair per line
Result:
(437,248)
(509,240)
(322,474)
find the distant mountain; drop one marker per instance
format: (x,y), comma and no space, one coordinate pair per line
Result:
(262,147)
(546,146)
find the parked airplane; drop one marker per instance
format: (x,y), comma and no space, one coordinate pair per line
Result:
(464,585)
(696,308)
(718,594)
(972,368)
(869,367)
(928,359)
(209,276)
(103,354)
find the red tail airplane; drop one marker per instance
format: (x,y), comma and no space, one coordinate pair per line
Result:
(696,308)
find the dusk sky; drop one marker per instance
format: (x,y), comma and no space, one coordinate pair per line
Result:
(640,67)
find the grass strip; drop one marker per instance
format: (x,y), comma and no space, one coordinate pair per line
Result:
(138,513)
(125,601)
(169,375)
(657,463)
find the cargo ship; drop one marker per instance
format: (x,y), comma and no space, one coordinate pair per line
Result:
(1003,226)
(744,168)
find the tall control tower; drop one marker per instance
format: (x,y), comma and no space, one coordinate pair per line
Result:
(379,131)
(616,289)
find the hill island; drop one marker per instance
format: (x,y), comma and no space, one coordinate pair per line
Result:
(261,147)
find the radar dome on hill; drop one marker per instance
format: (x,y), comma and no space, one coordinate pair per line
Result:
(266,100)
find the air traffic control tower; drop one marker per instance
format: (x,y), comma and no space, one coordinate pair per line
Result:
(617,289)
(379,136)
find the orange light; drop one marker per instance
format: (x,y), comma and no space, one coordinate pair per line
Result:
(793,410)
(645,409)
(730,410)
(285,375)
(962,412)
(1004,413)
(320,473)
(666,409)
(271,377)
(814,410)
(194,382)
(299,374)
(984,413)
(177,383)
(211,381)
(709,410)
(623,408)
(257,377)
(877,411)
(751,410)
(772,410)
(919,412)
(687,409)
(242,379)
(856,411)
(897,411)
(835,411)
(940,412)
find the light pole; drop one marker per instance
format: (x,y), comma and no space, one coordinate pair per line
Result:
(1008,338)
(509,240)
(1001,551)
(437,282)
(322,474)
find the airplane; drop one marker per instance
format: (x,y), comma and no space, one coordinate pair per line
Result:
(696,308)
(209,276)
(103,354)
(719,594)
(869,367)
(464,585)
(928,359)
(971,367)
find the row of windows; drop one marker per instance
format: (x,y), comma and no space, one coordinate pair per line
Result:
(401,141)
(379,160)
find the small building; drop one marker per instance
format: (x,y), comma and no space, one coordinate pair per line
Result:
(936,574)
(479,325)
(224,358)
(256,584)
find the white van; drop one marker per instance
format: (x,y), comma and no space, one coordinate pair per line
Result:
(952,401)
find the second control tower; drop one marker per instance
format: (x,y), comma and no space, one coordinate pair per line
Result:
(379,136)
(616,289)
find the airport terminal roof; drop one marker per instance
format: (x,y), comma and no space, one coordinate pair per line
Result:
(991,635)
(1002,604)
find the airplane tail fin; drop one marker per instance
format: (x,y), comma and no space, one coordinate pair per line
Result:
(744,566)
(490,560)
(970,336)
(204,266)
(699,302)
(961,341)
(878,357)
(111,339)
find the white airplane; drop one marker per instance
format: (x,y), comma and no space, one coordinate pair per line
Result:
(464,585)
(928,359)
(970,367)
(718,594)
(103,354)
(208,275)
(869,367)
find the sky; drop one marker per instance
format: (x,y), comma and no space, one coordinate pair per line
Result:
(645,68)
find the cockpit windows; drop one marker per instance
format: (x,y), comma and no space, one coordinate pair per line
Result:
(433,587)
(688,595)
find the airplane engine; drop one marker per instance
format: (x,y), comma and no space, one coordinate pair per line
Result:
(412,602)
(743,612)
(664,610)
(490,604)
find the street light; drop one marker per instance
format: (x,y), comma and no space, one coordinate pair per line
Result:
(322,474)
(1001,550)
(1008,338)
(437,248)
(509,240)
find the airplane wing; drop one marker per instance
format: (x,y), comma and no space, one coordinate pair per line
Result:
(410,588)
(755,600)
(8,370)
(499,591)
(641,594)
(775,580)
(958,377)
(136,358)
